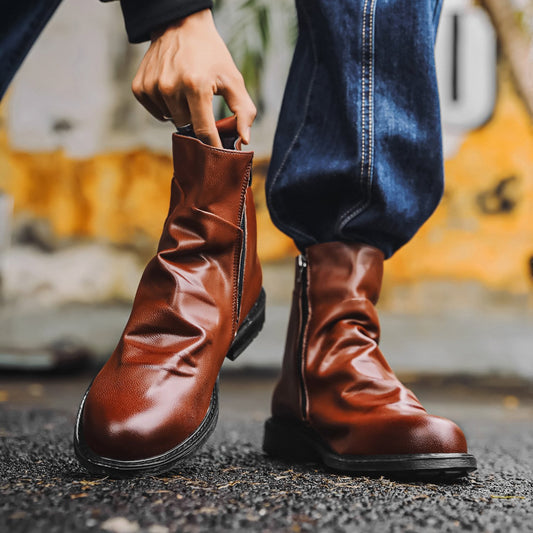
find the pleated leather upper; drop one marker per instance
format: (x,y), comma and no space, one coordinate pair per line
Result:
(155,389)
(340,384)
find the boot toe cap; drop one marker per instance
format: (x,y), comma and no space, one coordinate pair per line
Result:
(408,434)
(128,425)
(433,434)
(130,438)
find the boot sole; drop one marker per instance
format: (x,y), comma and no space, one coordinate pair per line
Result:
(292,441)
(117,468)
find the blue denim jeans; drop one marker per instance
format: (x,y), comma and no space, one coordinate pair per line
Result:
(358,153)
(21,22)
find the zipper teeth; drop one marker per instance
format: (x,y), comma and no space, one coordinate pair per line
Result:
(239,260)
(302,275)
(241,263)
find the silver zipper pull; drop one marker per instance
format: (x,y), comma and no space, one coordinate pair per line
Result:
(302,265)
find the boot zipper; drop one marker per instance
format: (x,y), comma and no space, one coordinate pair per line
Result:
(302,279)
(242,255)
(242,261)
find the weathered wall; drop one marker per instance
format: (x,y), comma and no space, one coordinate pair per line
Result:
(483,229)
(80,157)
(95,168)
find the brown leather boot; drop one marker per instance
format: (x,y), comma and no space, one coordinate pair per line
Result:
(337,400)
(200,300)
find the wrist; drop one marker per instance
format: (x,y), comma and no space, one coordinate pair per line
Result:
(196,21)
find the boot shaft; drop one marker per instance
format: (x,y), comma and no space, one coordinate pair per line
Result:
(336,387)
(209,179)
(212,211)
(336,287)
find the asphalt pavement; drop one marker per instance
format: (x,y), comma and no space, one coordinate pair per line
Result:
(232,486)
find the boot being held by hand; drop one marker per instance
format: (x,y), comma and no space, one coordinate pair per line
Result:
(155,402)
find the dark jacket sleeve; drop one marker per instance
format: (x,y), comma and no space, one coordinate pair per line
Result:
(142,17)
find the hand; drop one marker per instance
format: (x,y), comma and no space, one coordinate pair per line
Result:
(186,64)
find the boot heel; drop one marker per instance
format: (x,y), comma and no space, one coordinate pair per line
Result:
(250,328)
(285,440)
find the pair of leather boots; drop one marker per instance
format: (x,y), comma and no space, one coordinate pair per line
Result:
(200,299)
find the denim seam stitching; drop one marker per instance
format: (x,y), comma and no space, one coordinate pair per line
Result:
(363,91)
(367,111)
(273,211)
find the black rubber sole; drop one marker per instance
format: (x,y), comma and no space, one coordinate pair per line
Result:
(159,464)
(293,441)
(249,329)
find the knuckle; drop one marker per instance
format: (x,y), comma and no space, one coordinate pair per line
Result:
(137,86)
(238,77)
(195,83)
(252,111)
(248,112)
(167,87)
(148,86)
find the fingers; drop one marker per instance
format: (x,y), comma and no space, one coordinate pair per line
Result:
(145,98)
(190,104)
(178,78)
(143,86)
(241,104)
(176,104)
(175,100)
(161,104)
(191,101)
(202,117)
(146,101)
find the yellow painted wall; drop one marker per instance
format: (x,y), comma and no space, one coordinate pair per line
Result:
(483,229)
(118,197)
